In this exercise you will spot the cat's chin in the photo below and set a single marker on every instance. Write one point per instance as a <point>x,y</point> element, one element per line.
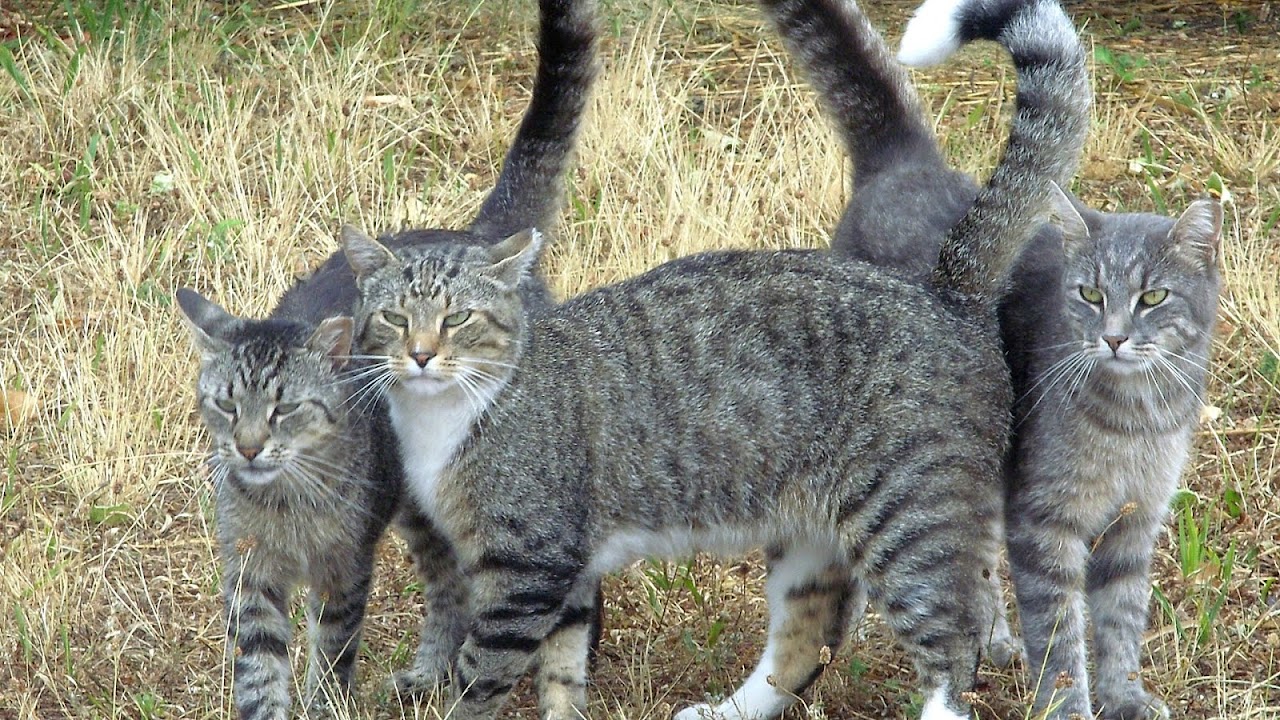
<point>423,385</point>
<point>252,476</point>
<point>1126,366</point>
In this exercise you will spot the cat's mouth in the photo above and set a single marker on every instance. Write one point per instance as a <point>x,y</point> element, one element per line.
<point>425,383</point>
<point>256,475</point>
<point>1125,362</point>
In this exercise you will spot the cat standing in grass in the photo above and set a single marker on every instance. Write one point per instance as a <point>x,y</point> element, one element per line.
<point>849,422</point>
<point>1106,330</point>
<point>306,471</point>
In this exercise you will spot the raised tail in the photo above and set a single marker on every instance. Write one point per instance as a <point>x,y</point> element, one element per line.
<point>530,187</point>
<point>1050,122</point>
<point>868,94</point>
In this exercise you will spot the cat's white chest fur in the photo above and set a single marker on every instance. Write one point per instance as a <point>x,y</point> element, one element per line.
<point>430,429</point>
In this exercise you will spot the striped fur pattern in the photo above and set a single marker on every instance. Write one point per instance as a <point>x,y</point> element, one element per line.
<point>850,422</point>
<point>318,523</point>
<point>1109,339</point>
<point>304,488</point>
<point>1102,433</point>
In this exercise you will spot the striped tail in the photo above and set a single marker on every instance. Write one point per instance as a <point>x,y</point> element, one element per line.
<point>1050,121</point>
<point>530,187</point>
<point>868,94</point>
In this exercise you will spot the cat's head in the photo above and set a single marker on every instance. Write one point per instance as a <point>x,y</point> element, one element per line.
<point>442,316</point>
<point>1141,291</point>
<point>271,393</point>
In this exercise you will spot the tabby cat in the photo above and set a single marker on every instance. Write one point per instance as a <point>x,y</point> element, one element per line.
<point>303,490</point>
<point>849,422</point>
<point>306,471</point>
<point>1107,333</point>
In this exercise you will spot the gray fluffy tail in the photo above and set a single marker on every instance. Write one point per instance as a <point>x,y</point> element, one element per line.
<point>866,91</point>
<point>1050,122</point>
<point>530,187</point>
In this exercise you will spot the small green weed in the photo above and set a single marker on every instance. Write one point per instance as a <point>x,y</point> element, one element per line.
<point>1123,66</point>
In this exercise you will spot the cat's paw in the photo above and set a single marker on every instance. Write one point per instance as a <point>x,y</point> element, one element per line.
<point>324,706</point>
<point>701,711</point>
<point>419,682</point>
<point>1003,651</point>
<point>1140,706</point>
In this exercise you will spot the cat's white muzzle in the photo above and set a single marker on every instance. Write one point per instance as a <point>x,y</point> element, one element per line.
<point>257,475</point>
<point>423,382</point>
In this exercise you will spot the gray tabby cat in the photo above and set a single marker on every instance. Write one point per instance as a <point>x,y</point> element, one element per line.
<point>1107,332</point>
<point>849,422</point>
<point>304,489</point>
<point>306,470</point>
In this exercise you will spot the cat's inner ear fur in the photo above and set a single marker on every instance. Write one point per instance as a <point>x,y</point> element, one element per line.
<point>333,338</point>
<point>1198,231</point>
<point>365,254</point>
<point>1064,215</point>
<point>514,258</point>
<point>206,320</point>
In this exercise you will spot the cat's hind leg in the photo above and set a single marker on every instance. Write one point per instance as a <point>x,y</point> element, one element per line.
<point>808,591</point>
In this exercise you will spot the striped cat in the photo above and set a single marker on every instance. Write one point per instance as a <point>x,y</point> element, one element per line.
<point>306,471</point>
<point>849,422</point>
<point>1106,330</point>
<point>304,488</point>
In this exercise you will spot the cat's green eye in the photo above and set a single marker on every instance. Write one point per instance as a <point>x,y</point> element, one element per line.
<point>1151,298</point>
<point>286,408</point>
<point>396,319</point>
<point>453,320</point>
<point>226,405</point>
<point>1091,294</point>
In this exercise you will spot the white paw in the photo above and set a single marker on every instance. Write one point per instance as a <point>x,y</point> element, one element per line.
<point>697,712</point>
<point>932,34</point>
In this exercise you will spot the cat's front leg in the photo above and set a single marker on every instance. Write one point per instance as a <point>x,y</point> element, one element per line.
<point>563,658</point>
<point>445,612</point>
<point>1047,563</point>
<point>335,614</point>
<point>517,602</point>
<point>258,631</point>
<point>1119,594</point>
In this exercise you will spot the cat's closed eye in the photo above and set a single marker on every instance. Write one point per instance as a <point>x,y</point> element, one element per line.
<point>226,405</point>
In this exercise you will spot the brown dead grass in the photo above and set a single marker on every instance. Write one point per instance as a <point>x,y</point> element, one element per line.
<point>229,144</point>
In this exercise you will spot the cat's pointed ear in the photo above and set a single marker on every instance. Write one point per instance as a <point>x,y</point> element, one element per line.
<point>365,254</point>
<point>515,257</point>
<point>1064,215</point>
<point>333,338</point>
<point>1198,232</point>
<point>206,320</point>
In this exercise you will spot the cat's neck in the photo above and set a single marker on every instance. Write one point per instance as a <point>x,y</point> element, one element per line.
<point>432,428</point>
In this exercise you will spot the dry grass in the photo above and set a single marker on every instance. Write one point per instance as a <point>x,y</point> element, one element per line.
<point>220,147</point>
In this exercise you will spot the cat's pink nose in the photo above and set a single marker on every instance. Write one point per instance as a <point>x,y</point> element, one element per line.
<point>422,358</point>
<point>1114,341</point>
<point>249,453</point>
